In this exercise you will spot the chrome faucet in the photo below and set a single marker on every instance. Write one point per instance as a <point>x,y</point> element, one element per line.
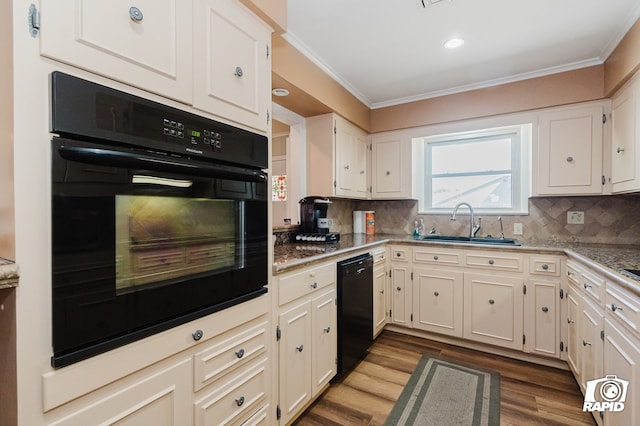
<point>473,228</point>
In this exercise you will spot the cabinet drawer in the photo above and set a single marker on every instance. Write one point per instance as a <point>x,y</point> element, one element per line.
<point>593,286</point>
<point>624,307</point>
<point>573,273</point>
<point>400,254</point>
<point>498,261</point>
<point>229,351</point>
<point>540,265</point>
<point>437,256</point>
<point>379,256</point>
<point>298,284</point>
<point>236,400</point>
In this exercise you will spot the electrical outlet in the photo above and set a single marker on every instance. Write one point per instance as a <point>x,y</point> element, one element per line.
<point>575,217</point>
<point>517,229</point>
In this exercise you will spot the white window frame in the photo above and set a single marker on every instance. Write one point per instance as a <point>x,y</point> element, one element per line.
<point>520,136</point>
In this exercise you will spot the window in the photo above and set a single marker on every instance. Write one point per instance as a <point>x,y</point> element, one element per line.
<point>488,169</point>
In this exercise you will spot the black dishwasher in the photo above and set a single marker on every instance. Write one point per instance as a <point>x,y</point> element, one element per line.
<point>355,310</point>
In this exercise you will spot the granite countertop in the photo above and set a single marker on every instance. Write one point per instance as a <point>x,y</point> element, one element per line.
<point>606,259</point>
<point>9,274</point>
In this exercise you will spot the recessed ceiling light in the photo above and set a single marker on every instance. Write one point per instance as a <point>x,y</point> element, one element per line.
<point>454,43</point>
<point>280,92</point>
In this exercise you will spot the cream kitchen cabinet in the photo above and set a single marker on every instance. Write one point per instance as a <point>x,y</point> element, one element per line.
<point>401,283</point>
<point>625,138</point>
<point>232,62</point>
<point>336,157</point>
<point>545,290</point>
<point>171,378</point>
<point>147,44</point>
<point>438,300</point>
<point>379,290</point>
<point>307,336</point>
<point>493,307</point>
<point>390,166</point>
<point>212,54</point>
<point>568,157</point>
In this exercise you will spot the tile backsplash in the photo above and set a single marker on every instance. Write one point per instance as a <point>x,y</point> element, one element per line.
<point>613,219</point>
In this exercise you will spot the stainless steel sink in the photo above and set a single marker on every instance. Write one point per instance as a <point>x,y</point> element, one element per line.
<point>466,240</point>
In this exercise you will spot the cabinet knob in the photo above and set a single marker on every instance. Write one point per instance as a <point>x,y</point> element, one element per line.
<point>587,286</point>
<point>240,353</point>
<point>614,307</point>
<point>398,254</point>
<point>361,172</point>
<point>398,288</point>
<point>381,291</point>
<point>197,335</point>
<point>135,14</point>
<point>620,150</point>
<point>569,159</point>
<point>300,348</point>
<point>346,167</point>
<point>492,302</point>
<point>436,294</point>
<point>239,72</point>
<point>435,257</point>
<point>570,321</point>
<point>388,173</point>
<point>240,401</point>
<point>327,330</point>
<point>545,309</point>
<point>314,285</point>
<point>545,266</point>
<point>491,262</point>
<point>585,343</point>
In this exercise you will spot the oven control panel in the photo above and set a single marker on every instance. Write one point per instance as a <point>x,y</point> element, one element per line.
<point>198,137</point>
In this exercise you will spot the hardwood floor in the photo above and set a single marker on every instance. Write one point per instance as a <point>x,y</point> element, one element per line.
<point>530,394</point>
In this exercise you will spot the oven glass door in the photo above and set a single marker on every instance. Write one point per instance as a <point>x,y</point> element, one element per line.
<point>142,242</point>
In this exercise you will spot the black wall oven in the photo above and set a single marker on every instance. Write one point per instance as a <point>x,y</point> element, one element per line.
<point>159,217</point>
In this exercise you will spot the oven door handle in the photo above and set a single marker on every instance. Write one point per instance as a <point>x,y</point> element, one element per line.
<point>147,161</point>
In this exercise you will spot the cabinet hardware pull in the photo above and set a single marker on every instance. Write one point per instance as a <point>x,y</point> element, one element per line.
<point>620,150</point>
<point>585,343</point>
<point>491,301</point>
<point>300,348</point>
<point>587,286</point>
<point>569,159</point>
<point>240,353</point>
<point>398,288</point>
<point>545,309</point>
<point>614,307</point>
<point>197,335</point>
<point>135,14</point>
<point>435,257</point>
<point>239,72</point>
<point>570,321</point>
<point>388,172</point>
<point>381,291</point>
<point>361,172</point>
<point>436,294</point>
<point>398,254</point>
<point>545,266</point>
<point>327,330</point>
<point>314,285</point>
<point>240,401</point>
<point>491,262</point>
<point>346,167</point>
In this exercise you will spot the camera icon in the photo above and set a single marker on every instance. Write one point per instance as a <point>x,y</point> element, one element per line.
<point>606,394</point>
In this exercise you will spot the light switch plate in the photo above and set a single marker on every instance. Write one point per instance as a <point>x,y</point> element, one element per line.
<point>575,217</point>
<point>517,229</point>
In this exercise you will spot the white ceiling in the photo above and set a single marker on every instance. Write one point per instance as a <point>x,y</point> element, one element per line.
<point>388,52</point>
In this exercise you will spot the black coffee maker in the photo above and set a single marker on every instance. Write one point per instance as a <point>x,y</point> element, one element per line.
<point>314,225</point>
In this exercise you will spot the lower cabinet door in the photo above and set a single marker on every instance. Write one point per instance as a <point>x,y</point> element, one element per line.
<point>437,301</point>
<point>379,298</point>
<point>621,359</point>
<point>295,360</point>
<point>494,310</point>
<point>543,307</point>
<point>158,398</point>
<point>325,340</point>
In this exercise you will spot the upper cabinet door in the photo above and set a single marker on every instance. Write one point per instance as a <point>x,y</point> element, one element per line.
<point>390,166</point>
<point>146,43</point>
<point>568,159</point>
<point>625,139</point>
<point>232,62</point>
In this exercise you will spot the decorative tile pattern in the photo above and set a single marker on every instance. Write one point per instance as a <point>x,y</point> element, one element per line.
<point>613,219</point>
